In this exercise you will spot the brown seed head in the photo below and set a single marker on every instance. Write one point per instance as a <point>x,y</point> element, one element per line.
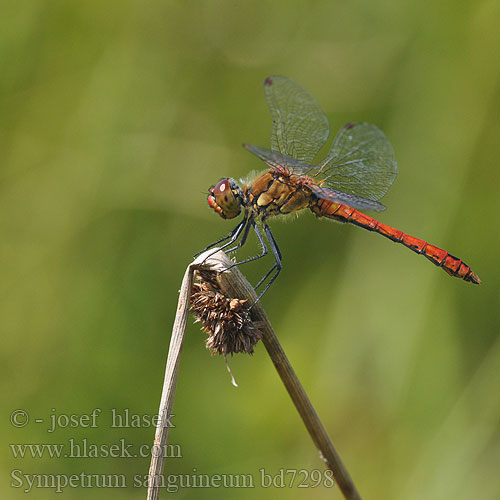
<point>225,319</point>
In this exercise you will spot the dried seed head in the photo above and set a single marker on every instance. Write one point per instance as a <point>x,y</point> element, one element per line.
<point>225,319</point>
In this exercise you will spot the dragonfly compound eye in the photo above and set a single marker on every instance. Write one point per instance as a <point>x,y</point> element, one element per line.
<point>223,200</point>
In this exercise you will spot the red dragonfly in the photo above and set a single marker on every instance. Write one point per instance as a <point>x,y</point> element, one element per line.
<point>358,171</point>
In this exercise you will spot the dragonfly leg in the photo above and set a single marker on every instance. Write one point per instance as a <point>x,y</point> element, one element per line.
<point>276,267</point>
<point>275,246</point>
<point>264,278</point>
<point>232,237</point>
<point>263,246</point>
<point>242,241</point>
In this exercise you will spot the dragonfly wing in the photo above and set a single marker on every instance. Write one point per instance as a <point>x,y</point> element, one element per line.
<point>300,128</point>
<point>274,159</point>
<point>352,200</point>
<point>361,162</point>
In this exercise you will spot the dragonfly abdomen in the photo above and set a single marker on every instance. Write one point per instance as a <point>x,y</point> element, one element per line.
<point>343,213</point>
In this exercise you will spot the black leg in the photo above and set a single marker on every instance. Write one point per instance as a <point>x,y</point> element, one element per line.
<point>264,278</point>
<point>262,245</point>
<point>273,245</point>
<point>232,240</point>
<point>234,234</point>
<point>277,266</point>
<point>242,241</point>
<point>272,241</point>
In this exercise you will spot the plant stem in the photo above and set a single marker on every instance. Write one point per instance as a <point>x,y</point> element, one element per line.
<point>233,284</point>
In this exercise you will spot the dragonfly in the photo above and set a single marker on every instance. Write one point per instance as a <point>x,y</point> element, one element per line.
<point>357,172</point>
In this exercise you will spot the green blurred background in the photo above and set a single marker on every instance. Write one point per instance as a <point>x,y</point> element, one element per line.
<point>115,119</point>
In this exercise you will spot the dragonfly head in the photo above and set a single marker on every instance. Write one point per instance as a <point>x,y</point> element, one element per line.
<point>226,198</point>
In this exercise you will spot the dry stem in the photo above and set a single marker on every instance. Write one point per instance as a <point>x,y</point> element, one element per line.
<point>233,284</point>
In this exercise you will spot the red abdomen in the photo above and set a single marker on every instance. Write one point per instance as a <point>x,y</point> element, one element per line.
<point>343,213</point>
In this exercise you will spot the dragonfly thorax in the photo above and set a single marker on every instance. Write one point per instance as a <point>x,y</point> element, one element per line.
<point>226,198</point>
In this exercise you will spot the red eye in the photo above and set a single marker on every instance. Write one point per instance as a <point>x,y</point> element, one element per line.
<point>222,187</point>
<point>223,200</point>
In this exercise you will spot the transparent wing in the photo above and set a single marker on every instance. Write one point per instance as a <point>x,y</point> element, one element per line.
<point>361,162</point>
<point>347,199</point>
<point>274,160</point>
<point>300,128</point>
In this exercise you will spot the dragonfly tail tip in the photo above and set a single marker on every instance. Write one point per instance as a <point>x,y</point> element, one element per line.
<point>474,278</point>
